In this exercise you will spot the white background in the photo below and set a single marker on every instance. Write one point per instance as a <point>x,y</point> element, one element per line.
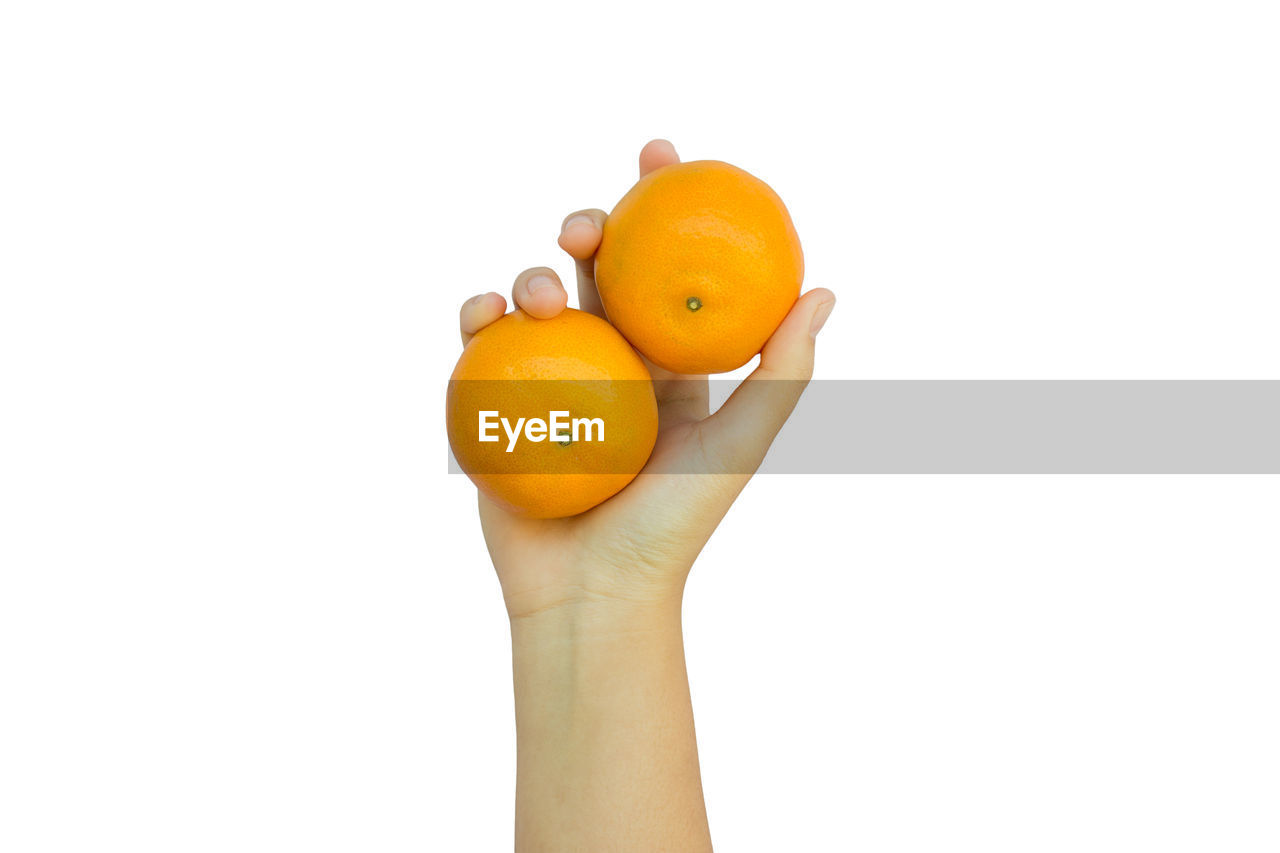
<point>242,605</point>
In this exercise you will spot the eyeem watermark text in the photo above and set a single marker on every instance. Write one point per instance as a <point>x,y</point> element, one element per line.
<point>558,427</point>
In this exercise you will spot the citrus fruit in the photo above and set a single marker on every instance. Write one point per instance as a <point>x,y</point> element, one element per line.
<point>576,376</point>
<point>698,265</point>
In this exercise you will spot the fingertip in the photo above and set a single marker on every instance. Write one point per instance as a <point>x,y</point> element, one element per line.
<point>789,351</point>
<point>655,154</point>
<point>539,293</point>
<point>821,294</point>
<point>823,301</point>
<point>659,146</point>
<point>580,233</point>
<point>580,240</point>
<point>484,303</point>
<point>479,311</point>
<point>545,302</point>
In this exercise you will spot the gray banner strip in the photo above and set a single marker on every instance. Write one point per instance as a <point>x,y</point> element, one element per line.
<point>1027,427</point>
<point>1032,427</point>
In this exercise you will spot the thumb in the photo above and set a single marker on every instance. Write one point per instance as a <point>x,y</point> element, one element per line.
<point>738,436</point>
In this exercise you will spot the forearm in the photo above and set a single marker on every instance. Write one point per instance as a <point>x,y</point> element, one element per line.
<point>606,754</point>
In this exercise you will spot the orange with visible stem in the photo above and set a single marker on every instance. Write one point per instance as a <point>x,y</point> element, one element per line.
<point>698,265</point>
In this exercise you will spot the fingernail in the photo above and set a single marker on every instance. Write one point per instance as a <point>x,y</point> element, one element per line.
<point>538,282</point>
<point>476,299</point>
<point>580,219</point>
<point>820,317</point>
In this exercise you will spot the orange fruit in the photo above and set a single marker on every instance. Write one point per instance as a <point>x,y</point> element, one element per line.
<point>520,369</point>
<point>698,265</point>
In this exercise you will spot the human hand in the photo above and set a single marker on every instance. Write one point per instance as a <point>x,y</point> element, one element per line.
<point>638,546</point>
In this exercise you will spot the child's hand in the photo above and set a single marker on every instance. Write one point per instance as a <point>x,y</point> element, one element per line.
<point>606,753</point>
<point>638,546</point>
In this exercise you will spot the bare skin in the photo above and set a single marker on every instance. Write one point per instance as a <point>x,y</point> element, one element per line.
<point>606,754</point>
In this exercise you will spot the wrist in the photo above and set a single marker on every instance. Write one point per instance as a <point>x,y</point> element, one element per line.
<point>593,597</point>
<point>571,661</point>
<point>591,619</point>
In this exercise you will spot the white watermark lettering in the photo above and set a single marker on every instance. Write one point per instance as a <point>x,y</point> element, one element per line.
<point>587,424</point>
<point>558,427</point>
<point>486,424</point>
